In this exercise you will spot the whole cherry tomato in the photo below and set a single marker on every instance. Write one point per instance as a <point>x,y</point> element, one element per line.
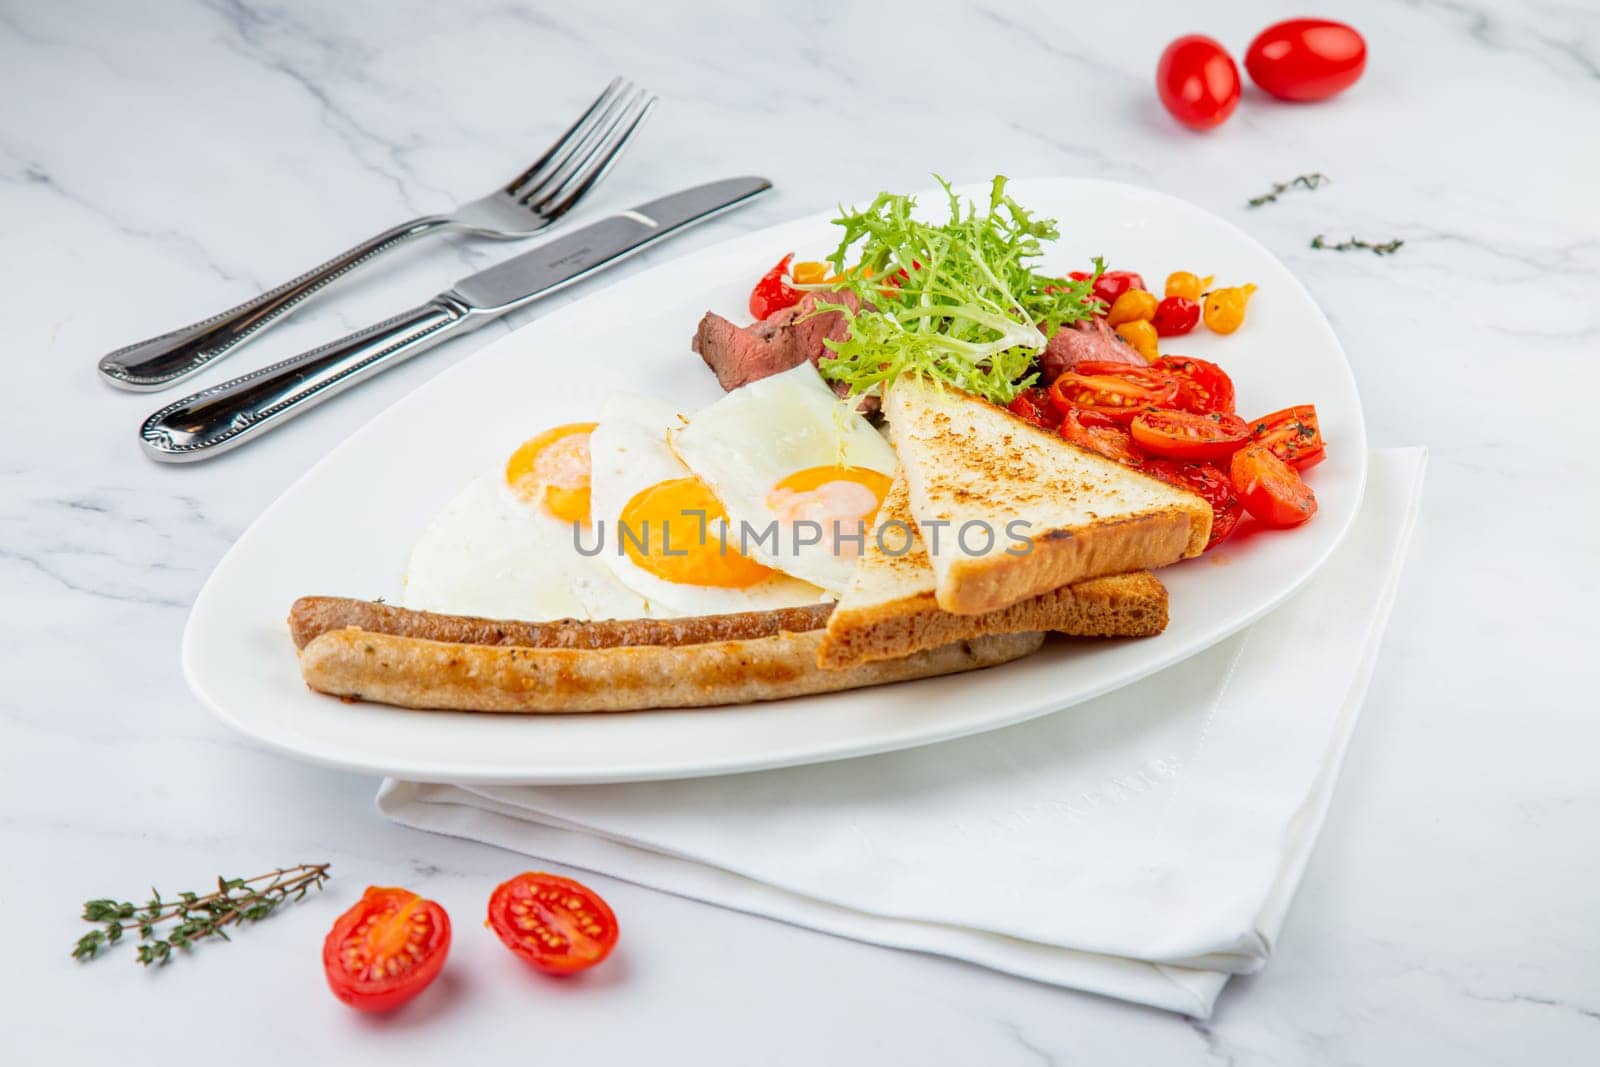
<point>1175,316</point>
<point>1113,283</point>
<point>1306,59</point>
<point>1198,81</point>
<point>773,292</point>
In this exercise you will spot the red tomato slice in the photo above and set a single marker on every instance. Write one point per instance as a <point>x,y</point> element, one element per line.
<point>1185,435</point>
<point>1203,387</point>
<point>773,292</point>
<point>1119,391</point>
<point>1293,435</point>
<point>558,925</point>
<point>1270,489</point>
<point>386,949</point>
<point>1206,481</point>
<point>1033,405</point>
<point>1097,435</point>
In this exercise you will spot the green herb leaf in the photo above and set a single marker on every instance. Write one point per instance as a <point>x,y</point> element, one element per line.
<point>960,302</point>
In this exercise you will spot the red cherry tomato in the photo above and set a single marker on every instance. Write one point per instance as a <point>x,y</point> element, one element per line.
<point>1292,435</point>
<point>1270,489</point>
<point>773,292</point>
<point>1175,316</point>
<point>1112,284</point>
<point>1184,435</point>
<point>1198,81</point>
<point>1099,435</point>
<point>1209,482</point>
<point>1306,59</point>
<point>1203,387</point>
<point>558,925</point>
<point>1118,391</point>
<point>386,949</point>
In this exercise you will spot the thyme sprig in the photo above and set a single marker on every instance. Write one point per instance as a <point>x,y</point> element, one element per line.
<point>164,925</point>
<point>1303,181</point>
<point>1382,248</point>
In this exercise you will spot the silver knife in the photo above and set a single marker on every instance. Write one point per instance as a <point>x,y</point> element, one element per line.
<point>228,415</point>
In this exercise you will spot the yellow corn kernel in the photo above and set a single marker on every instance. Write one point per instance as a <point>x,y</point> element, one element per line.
<point>1224,309</point>
<point>1141,334</point>
<point>810,272</point>
<point>1131,305</point>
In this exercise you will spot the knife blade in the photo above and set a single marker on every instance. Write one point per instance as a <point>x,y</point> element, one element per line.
<point>225,416</point>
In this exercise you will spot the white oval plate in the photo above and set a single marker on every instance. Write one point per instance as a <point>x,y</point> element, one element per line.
<point>346,528</point>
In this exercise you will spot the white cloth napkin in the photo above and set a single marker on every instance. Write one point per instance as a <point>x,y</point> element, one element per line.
<point>1144,845</point>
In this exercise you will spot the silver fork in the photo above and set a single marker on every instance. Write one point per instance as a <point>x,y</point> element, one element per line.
<point>528,203</point>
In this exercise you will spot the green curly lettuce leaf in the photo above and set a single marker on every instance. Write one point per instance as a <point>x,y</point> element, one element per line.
<point>959,302</point>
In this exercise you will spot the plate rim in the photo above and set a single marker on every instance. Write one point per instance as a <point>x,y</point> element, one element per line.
<point>848,748</point>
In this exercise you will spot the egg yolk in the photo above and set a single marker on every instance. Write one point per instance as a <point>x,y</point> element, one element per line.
<point>826,494</point>
<point>671,530</point>
<point>552,470</point>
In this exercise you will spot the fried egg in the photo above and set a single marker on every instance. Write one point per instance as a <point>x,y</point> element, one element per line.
<point>663,530</point>
<point>801,472</point>
<point>507,546</point>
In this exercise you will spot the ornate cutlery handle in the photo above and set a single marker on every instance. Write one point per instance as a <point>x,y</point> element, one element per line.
<point>227,415</point>
<point>160,361</point>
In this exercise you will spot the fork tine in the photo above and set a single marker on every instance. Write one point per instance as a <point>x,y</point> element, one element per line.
<point>541,167</point>
<point>575,153</point>
<point>600,162</point>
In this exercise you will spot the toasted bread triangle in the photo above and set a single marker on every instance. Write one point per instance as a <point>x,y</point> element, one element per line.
<point>1010,511</point>
<point>890,609</point>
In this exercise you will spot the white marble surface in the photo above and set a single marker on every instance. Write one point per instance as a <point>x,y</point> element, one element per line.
<point>160,161</point>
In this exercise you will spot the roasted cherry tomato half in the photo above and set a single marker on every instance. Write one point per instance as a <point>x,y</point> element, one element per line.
<point>1270,489</point>
<point>1033,405</point>
<point>1292,435</point>
<point>1198,81</point>
<point>1112,284</point>
<point>1306,59</point>
<point>1203,387</point>
<point>1185,435</point>
<point>558,925</point>
<point>1207,481</point>
<point>1175,316</point>
<point>1118,391</point>
<point>1097,434</point>
<point>386,949</point>
<point>773,292</point>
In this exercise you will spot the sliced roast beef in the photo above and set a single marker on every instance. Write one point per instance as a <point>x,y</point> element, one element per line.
<point>1085,341</point>
<point>739,355</point>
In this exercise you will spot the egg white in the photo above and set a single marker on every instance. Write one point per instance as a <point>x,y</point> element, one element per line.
<point>492,554</point>
<point>759,434</point>
<point>628,453</point>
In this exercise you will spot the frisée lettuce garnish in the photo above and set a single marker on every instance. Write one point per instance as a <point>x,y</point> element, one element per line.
<point>960,302</point>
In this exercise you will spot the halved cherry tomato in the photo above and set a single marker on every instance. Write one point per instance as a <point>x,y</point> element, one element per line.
<point>1033,405</point>
<point>386,949</point>
<point>1203,387</point>
<point>1175,316</point>
<point>1185,435</point>
<point>1270,489</point>
<point>1293,435</point>
<point>1198,82</point>
<point>1116,390</point>
<point>773,292</point>
<point>1209,482</point>
<point>1097,434</point>
<point>558,925</point>
<point>1112,284</point>
<point>1306,59</point>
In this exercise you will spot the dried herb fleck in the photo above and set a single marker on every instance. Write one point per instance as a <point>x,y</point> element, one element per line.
<point>1303,181</point>
<point>1381,248</point>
